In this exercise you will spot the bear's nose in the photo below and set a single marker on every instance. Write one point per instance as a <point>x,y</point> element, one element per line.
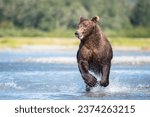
<point>76,33</point>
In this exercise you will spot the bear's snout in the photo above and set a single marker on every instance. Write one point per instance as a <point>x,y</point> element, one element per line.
<point>76,33</point>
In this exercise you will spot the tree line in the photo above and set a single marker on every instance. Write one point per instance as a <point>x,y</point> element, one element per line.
<point>48,15</point>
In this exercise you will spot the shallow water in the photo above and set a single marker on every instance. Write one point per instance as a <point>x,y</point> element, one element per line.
<point>53,74</point>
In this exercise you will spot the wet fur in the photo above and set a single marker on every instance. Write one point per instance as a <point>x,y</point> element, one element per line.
<point>94,54</point>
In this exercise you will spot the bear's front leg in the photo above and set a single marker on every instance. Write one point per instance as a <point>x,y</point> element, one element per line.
<point>88,78</point>
<point>105,75</point>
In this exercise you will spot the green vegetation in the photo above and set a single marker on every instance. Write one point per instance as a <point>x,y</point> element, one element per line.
<point>6,42</point>
<point>57,18</point>
<point>45,22</point>
<point>141,14</point>
<point>31,32</point>
<point>138,32</point>
<point>142,43</point>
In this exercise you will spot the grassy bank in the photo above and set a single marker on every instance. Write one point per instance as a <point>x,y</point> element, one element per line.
<point>142,43</point>
<point>68,33</point>
<point>14,42</point>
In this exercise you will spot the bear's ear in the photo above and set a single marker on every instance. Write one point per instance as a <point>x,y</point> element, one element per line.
<point>95,19</point>
<point>81,19</point>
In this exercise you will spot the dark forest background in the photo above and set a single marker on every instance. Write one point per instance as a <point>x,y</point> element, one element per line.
<point>44,17</point>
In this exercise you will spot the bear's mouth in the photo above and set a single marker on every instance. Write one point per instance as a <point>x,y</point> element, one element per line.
<point>81,37</point>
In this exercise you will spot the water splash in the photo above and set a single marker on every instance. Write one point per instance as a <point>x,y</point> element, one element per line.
<point>9,85</point>
<point>141,86</point>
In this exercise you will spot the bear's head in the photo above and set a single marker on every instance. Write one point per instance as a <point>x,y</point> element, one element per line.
<point>85,27</point>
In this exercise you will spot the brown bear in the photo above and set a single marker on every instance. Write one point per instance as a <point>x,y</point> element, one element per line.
<point>94,54</point>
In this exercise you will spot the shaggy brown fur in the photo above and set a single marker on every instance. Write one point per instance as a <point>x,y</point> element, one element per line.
<point>95,52</point>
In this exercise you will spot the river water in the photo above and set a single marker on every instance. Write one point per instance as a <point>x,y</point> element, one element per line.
<point>52,73</point>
